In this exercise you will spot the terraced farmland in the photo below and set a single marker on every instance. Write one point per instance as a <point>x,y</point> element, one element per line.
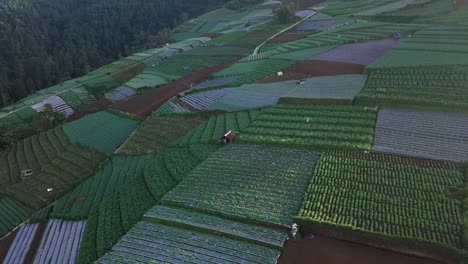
<point>437,88</point>
<point>121,192</point>
<point>212,130</point>
<point>103,131</point>
<point>60,242</point>
<point>433,135</point>
<point>219,185</point>
<point>148,242</point>
<point>313,126</point>
<point>394,198</point>
<point>48,155</point>
<point>12,213</point>
<point>156,133</point>
<point>21,244</point>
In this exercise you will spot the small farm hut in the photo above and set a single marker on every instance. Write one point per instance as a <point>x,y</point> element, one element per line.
<point>228,137</point>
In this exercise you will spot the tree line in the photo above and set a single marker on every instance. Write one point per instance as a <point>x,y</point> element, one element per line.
<point>45,42</point>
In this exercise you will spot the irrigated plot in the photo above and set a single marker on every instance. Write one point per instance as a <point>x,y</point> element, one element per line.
<point>432,88</point>
<point>366,196</point>
<point>432,135</point>
<point>103,131</point>
<point>22,244</point>
<point>216,225</point>
<point>60,242</point>
<point>336,89</point>
<point>150,242</point>
<point>358,53</point>
<point>316,127</point>
<point>12,213</point>
<point>252,183</point>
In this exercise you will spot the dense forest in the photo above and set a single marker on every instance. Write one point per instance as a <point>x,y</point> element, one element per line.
<point>44,42</point>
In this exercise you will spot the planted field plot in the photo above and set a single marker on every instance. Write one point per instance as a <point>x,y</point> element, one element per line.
<point>428,10</point>
<point>457,17</point>
<point>302,54</point>
<point>391,7</point>
<point>184,64</point>
<point>216,225</point>
<point>119,94</point>
<point>349,32</point>
<point>433,135</point>
<point>150,242</point>
<point>437,88</point>
<point>202,100</point>
<point>314,25</point>
<point>174,106</point>
<point>103,131</point>
<point>58,105</point>
<point>12,213</point>
<point>432,46</point>
<point>255,70</point>
<point>21,245</point>
<point>145,104</point>
<point>41,162</point>
<point>315,127</point>
<point>315,68</point>
<point>60,242</point>
<point>363,53</point>
<point>218,185</point>
<point>122,191</point>
<point>5,244</point>
<point>288,37</point>
<point>156,133</point>
<point>212,130</point>
<point>392,197</point>
<point>221,81</point>
<point>149,78</point>
<point>337,89</point>
<point>252,96</point>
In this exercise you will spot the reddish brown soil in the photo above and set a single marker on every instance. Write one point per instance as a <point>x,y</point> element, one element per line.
<point>89,109</point>
<point>5,244</point>
<point>460,3</point>
<point>212,35</point>
<point>287,37</point>
<point>315,68</point>
<point>143,105</point>
<point>321,250</point>
<point>35,243</point>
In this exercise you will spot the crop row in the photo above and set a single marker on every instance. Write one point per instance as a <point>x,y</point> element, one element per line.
<point>21,244</point>
<point>216,225</point>
<point>60,242</point>
<point>12,213</point>
<point>374,193</point>
<point>216,126</point>
<point>319,127</point>
<point>243,182</point>
<point>118,195</point>
<point>103,131</point>
<point>149,242</point>
<point>54,162</point>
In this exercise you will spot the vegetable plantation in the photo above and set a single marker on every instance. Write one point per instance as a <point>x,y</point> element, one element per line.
<point>248,183</point>
<point>60,242</point>
<point>21,244</point>
<point>155,134</point>
<point>151,242</point>
<point>438,88</point>
<point>434,135</point>
<point>12,213</point>
<point>389,196</point>
<point>315,127</point>
<point>103,131</point>
<point>217,225</point>
<point>217,125</point>
<point>53,163</point>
